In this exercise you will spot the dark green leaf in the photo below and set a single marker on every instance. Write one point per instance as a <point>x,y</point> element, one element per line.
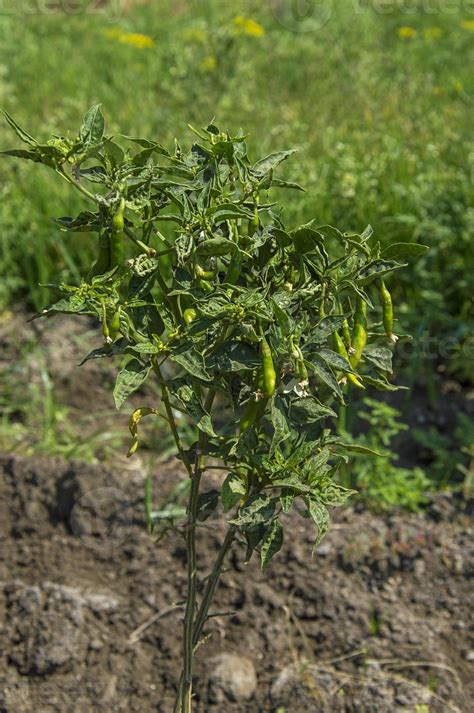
<point>270,162</point>
<point>233,490</point>
<point>271,543</point>
<point>257,510</point>
<point>207,503</point>
<point>93,126</point>
<point>397,251</point>
<point>129,379</point>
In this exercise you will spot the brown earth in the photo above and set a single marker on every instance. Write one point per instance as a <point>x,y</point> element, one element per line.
<point>380,620</point>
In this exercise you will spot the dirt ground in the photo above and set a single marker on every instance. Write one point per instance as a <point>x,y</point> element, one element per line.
<point>379,620</point>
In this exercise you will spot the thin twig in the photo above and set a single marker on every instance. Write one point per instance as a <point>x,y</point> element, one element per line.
<point>136,635</point>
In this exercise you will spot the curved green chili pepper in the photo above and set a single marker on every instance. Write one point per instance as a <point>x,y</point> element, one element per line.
<point>234,270</point>
<point>340,348</point>
<point>102,264</point>
<point>387,311</point>
<point>253,413</point>
<point>117,247</point>
<point>268,369</point>
<point>105,326</point>
<point>359,339</point>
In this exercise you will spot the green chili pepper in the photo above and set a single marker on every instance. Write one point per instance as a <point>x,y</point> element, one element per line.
<point>253,414</point>
<point>205,286</point>
<point>359,339</point>
<point>202,274</point>
<point>117,248</point>
<point>256,406</point>
<point>114,326</point>
<point>102,264</point>
<point>340,348</point>
<point>234,270</point>
<point>189,315</point>
<point>387,310</point>
<point>346,336</point>
<point>268,369</point>
<point>105,326</point>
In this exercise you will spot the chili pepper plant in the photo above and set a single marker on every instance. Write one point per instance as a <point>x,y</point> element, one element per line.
<point>256,331</point>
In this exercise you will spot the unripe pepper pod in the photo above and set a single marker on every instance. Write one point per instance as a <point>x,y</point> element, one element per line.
<point>102,264</point>
<point>387,311</point>
<point>340,348</point>
<point>202,274</point>
<point>268,369</point>
<point>189,315</point>
<point>359,338</point>
<point>105,326</point>
<point>117,248</point>
<point>114,326</point>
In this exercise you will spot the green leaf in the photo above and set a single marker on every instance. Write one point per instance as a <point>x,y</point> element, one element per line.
<point>192,404</point>
<point>320,516</point>
<point>323,372</point>
<point>335,360</point>
<point>278,411</point>
<point>270,162</point>
<point>93,126</point>
<point>309,410</point>
<point>216,247</point>
<point>21,133</point>
<point>287,184</point>
<point>271,543</point>
<point>230,211</point>
<point>381,383</point>
<point>287,498</point>
<point>376,269</point>
<point>397,251</point>
<point>257,510</point>
<point>192,362</point>
<point>379,356</point>
<point>207,504</point>
<point>357,448</point>
<point>326,327</point>
<point>233,490</point>
<point>233,356</point>
<point>129,379</point>
<point>22,153</point>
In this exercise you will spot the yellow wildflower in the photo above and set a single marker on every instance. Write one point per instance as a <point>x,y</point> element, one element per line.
<point>247,26</point>
<point>433,33</point>
<point>407,33</point>
<point>208,64</point>
<point>467,25</point>
<point>136,39</point>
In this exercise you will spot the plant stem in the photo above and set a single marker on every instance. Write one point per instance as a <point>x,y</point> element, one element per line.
<point>212,583</point>
<point>170,417</point>
<point>208,595</point>
<point>186,683</point>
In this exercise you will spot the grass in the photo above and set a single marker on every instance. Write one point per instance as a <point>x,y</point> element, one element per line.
<point>380,101</point>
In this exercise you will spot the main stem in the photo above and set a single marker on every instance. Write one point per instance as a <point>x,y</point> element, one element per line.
<point>202,614</point>
<point>186,683</point>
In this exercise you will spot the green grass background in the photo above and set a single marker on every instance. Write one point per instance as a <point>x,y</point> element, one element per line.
<point>378,100</point>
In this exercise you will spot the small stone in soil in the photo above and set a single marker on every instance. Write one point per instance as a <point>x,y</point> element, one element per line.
<point>231,678</point>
